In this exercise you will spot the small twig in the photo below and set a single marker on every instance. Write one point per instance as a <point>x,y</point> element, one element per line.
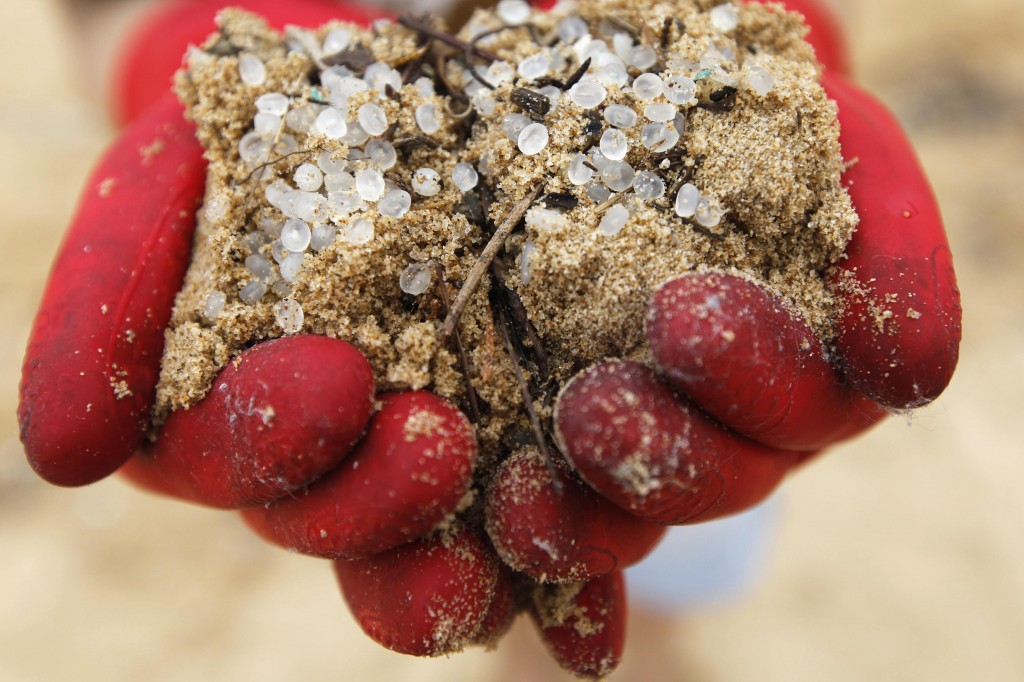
<point>524,391</point>
<point>474,406</point>
<point>446,38</point>
<point>496,244</point>
<point>577,74</point>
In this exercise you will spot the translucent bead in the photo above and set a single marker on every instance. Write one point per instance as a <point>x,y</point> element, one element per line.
<point>613,74</point>
<point>513,124</point>
<point>648,186</point>
<point>295,236</point>
<point>464,176</point>
<point>358,232</point>
<point>759,80</point>
<point>252,292</point>
<point>725,18</point>
<point>500,72</point>
<point>641,57</point>
<point>370,184</point>
<point>426,118</point>
<point>620,116</point>
<point>301,118</point>
<point>379,75</point>
<point>426,181</point>
<point>282,288</point>
<point>328,164</point>
<point>535,66</point>
<point>613,220</point>
<point>687,200</point>
<point>306,206</point>
<point>587,94</point>
<point>266,123</point>
<point>706,214</point>
<point>381,154</point>
<point>416,278</point>
<point>598,193</point>
<point>337,40</point>
<point>213,305</point>
<point>272,103</point>
<point>659,137</point>
<point>253,241</point>
<point>424,86</point>
<point>395,203</point>
<point>339,182</point>
<point>373,119</point>
<point>251,69</point>
<point>618,176</point>
<point>572,28</point>
<point>331,123</point>
<point>308,177</point>
<point>524,262</point>
<point>647,86</point>
<point>278,251</point>
<point>322,236</point>
<point>622,43</point>
<point>553,94</point>
<point>254,148</point>
<point>662,112</point>
<point>579,172</point>
<point>291,265</point>
<point>259,266</point>
<point>680,89</point>
<point>271,227</point>
<point>289,316</point>
<point>485,104</point>
<point>513,12</point>
<point>356,136</point>
<point>533,139</point>
<point>614,144</point>
<point>275,191</point>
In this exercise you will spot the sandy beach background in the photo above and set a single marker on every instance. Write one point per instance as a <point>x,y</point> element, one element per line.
<point>899,557</point>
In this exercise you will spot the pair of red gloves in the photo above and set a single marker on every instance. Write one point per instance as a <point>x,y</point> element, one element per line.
<point>743,392</point>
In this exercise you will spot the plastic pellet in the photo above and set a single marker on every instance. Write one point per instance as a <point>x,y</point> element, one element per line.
<point>289,316</point>
<point>533,139</point>
<point>416,278</point>
<point>613,220</point>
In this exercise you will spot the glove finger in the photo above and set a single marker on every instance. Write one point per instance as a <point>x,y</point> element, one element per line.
<point>94,353</point>
<point>277,417</point>
<point>560,535</point>
<point>743,358</point>
<point>825,36</point>
<point>151,55</point>
<point>583,625</point>
<point>411,470</point>
<point>426,598</point>
<point>644,448</point>
<point>898,335</point>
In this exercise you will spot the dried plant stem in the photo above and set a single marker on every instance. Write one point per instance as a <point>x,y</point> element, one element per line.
<point>446,38</point>
<point>495,245</point>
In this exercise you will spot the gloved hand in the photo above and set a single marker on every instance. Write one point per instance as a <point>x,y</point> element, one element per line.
<point>735,351</point>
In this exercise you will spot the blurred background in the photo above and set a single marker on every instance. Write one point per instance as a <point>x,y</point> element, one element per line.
<point>898,557</point>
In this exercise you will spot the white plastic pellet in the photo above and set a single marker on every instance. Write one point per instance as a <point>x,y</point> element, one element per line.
<point>356,135</point>
<point>598,193</point>
<point>282,288</point>
<point>661,112</point>
<point>618,176</point>
<point>424,86</point>
<point>254,147</point>
<point>259,266</point>
<point>253,241</point>
<point>373,119</point>
<point>426,118</point>
<point>687,200</point>
<point>288,314</point>
<point>279,252</point>
<point>613,220</point>
<point>370,184</point>
<point>513,12</point>
<point>271,227</point>
<point>295,236</point>
<point>587,94</point>
<point>358,232</point>
<point>379,75</point>
<point>614,144</point>
<point>706,214</point>
<point>759,80</point>
<point>647,86</point>
<point>291,265</point>
<point>213,306</point>
<point>533,139</point>
<point>381,154</point>
<point>464,176</point>
<point>337,40</point>
<point>306,206</point>
<point>572,29</point>
<point>415,279</point>
<point>272,103</point>
<point>648,186</point>
<point>579,172</point>
<point>328,164</point>
<point>275,191</point>
<point>339,182</point>
<point>525,255</point>
<point>266,123</point>
<point>641,57</point>
<point>252,292</point>
<point>301,118</point>
<point>513,124</point>
<point>395,203</point>
<point>331,123</point>
<point>535,66</point>
<point>426,181</point>
<point>251,69</point>
<point>308,177</point>
<point>343,203</point>
<point>620,116</point>
<point>680,89</point>
<point>322,236</point>
<point>725,18</point>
